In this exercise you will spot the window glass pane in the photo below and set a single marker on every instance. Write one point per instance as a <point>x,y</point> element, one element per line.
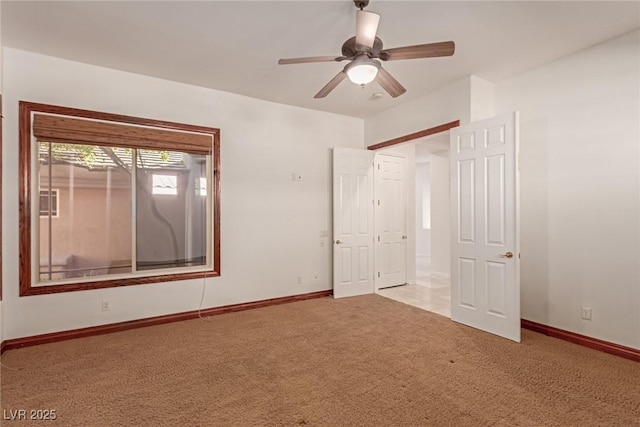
<point>49,202</point>
<point>201,186</point>
<point>164,184</point>
<point>91,233</point>
<point>171,231</point>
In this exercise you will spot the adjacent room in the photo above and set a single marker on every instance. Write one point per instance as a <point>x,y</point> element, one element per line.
<point>320,213</point>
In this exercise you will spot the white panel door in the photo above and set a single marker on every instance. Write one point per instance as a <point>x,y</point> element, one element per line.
<point>352,222</point>
<point>485,266</point>
<point>391,221</point>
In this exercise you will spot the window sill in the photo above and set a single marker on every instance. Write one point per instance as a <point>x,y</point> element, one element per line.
<point>112,283</point>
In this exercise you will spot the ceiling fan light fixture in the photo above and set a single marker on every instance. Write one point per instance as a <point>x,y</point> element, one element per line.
<point>362,72</point>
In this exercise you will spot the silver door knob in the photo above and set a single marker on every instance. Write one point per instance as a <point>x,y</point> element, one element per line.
<point>507,255</point>
<point>338,242</point>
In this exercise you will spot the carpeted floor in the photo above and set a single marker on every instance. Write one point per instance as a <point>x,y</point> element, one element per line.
<point>362,361</point>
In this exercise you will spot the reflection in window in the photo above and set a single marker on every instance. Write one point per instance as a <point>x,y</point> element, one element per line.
<point>164,184</point>
<point>49,203</point>
<point>201,186</point>
<point>94,184</point>
<point>171,231</point>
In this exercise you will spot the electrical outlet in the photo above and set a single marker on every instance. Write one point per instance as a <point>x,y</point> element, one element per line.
<point>105,306</point>
<point>586,313</point>
<point>299,279</point>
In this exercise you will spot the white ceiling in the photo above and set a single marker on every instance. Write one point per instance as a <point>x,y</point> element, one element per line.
<point>234,46</point>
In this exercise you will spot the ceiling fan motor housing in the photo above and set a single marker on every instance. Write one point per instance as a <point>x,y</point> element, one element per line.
<point>361,4</point>
<point>350,49</point>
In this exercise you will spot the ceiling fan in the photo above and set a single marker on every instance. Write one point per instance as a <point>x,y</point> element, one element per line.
<point>363,52</point>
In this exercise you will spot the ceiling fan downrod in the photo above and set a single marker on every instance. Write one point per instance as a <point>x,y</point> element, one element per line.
<point>361,4</point>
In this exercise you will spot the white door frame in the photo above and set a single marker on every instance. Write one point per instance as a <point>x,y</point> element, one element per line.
<point>445,127</point>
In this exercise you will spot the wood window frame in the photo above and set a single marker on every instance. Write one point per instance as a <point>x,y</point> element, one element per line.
<point>26,111</point>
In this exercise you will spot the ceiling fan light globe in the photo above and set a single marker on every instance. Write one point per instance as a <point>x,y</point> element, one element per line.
<point>361,74</point>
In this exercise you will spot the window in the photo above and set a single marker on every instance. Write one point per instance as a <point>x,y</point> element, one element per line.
<point>165,184</point>
<point>134,196</point>
<point>49,203</point>
<point>201,186</point>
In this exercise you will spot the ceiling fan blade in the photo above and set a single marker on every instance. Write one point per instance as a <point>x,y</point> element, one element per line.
<point>430,50</point>
<point>331,85</point>
<point>389,83</point>
<point>366,28</point>
<point>309,59</point>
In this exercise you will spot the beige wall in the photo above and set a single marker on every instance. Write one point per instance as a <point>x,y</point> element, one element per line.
<point>93,223</point>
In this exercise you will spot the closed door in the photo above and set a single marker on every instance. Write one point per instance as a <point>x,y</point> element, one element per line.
<point>390,220</point>
<point>485,278</point>
<point>352,222</point>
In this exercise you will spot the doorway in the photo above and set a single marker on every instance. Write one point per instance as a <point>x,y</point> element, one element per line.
<point>431,289</point>
<point>483,192</point>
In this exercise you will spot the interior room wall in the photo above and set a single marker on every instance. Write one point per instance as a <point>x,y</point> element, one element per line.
<point>423,209</point>
<point>440,215</point>
<point>273,228</point>
<point>580,189</point>
<point>441,106</point>
<point>480,99</point>
<point>580,186</point>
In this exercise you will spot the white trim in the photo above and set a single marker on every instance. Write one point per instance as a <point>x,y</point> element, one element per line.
<point>134,208</point>
<point>210,211</point>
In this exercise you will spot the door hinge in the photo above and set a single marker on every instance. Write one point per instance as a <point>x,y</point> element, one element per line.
<point>378,166</point>
<point>378,202</point>
<point>378,274</point>
<point>378,238</point>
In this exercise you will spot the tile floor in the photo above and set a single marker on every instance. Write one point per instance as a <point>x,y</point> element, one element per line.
<point>431,293</point>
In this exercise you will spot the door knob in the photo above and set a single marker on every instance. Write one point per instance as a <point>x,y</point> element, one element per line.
<point>404,237</point>
<point>508,255</point>
<point>338,242</point>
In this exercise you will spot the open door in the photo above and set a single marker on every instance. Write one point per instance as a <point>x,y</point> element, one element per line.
<point>352,222</point>
<point>485,248</point>
<point>390,191</point>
